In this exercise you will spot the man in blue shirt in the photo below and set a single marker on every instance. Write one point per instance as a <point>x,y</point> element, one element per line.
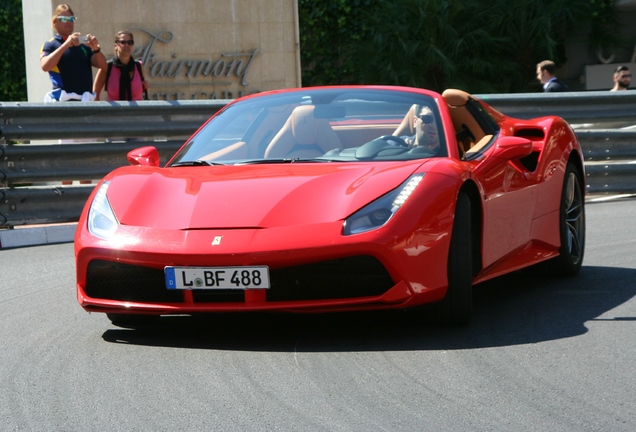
<point>69,59</point>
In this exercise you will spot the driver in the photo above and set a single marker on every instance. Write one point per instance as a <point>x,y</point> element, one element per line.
<point>425,129</point>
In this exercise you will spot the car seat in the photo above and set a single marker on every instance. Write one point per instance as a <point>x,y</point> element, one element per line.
<point>303,135</point>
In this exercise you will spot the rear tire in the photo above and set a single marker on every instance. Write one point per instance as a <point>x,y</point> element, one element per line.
<point>457,306</point>
<point>571,226</point>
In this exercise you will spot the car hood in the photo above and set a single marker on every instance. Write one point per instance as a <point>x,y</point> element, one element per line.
<point>249,196</point>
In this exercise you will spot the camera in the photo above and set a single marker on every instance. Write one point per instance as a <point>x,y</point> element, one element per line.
<point>82,39</point>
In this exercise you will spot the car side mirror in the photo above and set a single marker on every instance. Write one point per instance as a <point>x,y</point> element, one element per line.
<point>144,156</point>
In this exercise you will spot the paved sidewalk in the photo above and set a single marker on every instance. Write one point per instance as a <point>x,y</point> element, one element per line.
<point>37,235</point>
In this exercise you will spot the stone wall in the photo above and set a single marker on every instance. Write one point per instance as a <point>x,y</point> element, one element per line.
<point>192,49</point>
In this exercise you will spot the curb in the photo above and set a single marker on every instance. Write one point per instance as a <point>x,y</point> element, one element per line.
<point>35,236</point>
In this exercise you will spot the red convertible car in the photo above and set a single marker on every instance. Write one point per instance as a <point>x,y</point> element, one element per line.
<point>334,199</point>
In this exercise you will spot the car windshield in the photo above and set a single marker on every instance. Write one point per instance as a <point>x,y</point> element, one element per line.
<point>320,125</point>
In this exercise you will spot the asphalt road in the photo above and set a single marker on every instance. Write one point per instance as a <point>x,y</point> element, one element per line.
<point>542,354</point>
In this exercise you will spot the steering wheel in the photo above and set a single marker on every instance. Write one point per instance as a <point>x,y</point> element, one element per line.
<point>394,140</point>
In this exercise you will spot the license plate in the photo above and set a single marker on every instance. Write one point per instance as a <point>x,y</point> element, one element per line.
<point>191,278</point>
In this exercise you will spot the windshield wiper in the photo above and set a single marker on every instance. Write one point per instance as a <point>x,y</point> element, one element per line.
<point>198,162</point>
<point>279,160</point>
<point>266,161</point>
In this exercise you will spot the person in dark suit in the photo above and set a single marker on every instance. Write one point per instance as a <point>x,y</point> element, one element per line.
<point>546,74</point>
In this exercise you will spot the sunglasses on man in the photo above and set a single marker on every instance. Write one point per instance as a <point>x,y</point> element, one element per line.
<point>66,19</point>
<point>126,42</point>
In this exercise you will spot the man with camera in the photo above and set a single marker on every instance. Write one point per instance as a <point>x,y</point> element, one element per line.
<point>69,58</point>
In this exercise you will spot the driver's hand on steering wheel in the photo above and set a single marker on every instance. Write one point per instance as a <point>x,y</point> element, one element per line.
<point>396,141</point>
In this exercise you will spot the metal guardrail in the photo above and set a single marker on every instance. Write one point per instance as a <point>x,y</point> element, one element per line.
<point>27,171</point>
<point>597,109</point>
<point>44,121</point>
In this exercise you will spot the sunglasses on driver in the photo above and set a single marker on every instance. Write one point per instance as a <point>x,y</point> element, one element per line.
<point>426,118</point>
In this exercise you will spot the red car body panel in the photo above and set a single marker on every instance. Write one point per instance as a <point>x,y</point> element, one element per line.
<point>292,214</point>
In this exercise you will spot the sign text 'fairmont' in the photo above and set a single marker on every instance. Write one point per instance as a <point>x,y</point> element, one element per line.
<point>228,69</point>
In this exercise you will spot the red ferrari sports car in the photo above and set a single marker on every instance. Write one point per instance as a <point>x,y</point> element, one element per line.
<point>334,199</point>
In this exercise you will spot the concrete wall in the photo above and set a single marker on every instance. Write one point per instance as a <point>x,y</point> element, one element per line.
<point>601,76</point>
<point>192,49</point>
<point>36,15</point>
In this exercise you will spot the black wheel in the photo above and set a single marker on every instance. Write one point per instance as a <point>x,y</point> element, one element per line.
<point>571,226</point>
<point>457,306</point>
<point>132,320</point>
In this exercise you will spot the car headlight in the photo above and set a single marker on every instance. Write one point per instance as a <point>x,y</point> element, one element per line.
<point>101,218</point>
<point>377,213</point>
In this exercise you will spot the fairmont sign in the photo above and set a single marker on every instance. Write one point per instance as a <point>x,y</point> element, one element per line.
<point>222,77</point>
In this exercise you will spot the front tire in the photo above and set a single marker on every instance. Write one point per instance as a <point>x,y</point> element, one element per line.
<point>457,306</point>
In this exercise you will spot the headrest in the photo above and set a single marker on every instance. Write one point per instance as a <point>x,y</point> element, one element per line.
<point>303,125</point>
<point>456,98</point>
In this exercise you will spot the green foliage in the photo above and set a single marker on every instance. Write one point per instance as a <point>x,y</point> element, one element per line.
<point>536,31</point>
<point>479,46</point>
<point>605,32</point>
<point>432,44</point>
<point>482,46</point>
<point>12,59</point>
<point>329,31</point>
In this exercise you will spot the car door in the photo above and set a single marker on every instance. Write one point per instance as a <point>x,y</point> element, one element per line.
<point>510,194</point>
